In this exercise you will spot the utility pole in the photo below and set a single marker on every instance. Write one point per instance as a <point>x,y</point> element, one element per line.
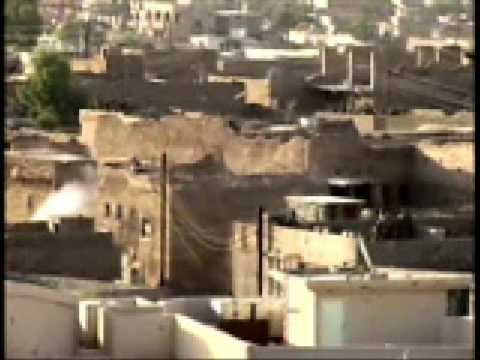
<point>163,217</point>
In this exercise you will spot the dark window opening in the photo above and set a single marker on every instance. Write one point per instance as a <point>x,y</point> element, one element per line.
<point>458,302</point>
<point>271,284</point>
<point>243,238</point>
<point>386,196</point>
<point>146,228</point>
<point>363,192</point>
<point>133,213</point>
<point>404,195</point>
<point>167,17</point>
<point>158,15</point>
<point>107,210</point>
<point>30,203</point>
<point>177,18</point>
<point>119,213</point>
<point>350,212</point>
<point>339,191</point>
<point>330,213</point>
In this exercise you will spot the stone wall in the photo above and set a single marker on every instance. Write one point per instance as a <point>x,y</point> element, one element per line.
<point>160,97</point>
<point>91,256</point>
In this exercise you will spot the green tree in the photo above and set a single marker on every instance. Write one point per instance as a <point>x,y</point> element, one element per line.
<point>51,95</point>
<point>23,22</point>
<point>71,31</point>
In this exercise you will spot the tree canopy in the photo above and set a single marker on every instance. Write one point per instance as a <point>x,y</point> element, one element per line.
<point>23,22</point>
<point>51,95</point>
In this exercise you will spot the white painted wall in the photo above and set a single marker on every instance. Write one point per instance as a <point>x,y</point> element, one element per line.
<point>207,41</point>
<point>260,53</point>
<point>364,352</point>
<point>300,321</point>
<point>39,322</point>
<point>194,340</point>
<point>458,330</point>
<point>382,316</point>
<point>138,333</point>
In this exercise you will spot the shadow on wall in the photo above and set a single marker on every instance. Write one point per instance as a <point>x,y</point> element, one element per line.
<point>89,256</point>
<point>435,185</point>
<point>200,235</point>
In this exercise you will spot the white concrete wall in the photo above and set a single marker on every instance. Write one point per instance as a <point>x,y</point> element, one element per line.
<point>315,248</point>
<point>406,352</point>
<point>199,308</point>
<point>300,321</point>
<point>382,316</point>
<point>138,333</point>
<point>458,330</point>
<point>194,340</point>
<point>259,53</point>
<point>39,322</point>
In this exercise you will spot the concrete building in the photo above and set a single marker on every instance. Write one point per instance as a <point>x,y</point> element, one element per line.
<point>166,20</point>
<point>217,327</point>
<point>62,249</point>
<point>33,176</point>
<point>114,14</point>
<point>438,46</point>
<point>327,232</point>
<point>394,307</point>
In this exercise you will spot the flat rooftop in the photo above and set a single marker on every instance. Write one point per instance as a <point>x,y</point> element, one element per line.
<point>321,200</point>
<point>47,155</point>
<point>345,181</point>
<point>390,278</point>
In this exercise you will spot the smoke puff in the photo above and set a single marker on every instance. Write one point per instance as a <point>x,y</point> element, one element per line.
<point>72,199</point>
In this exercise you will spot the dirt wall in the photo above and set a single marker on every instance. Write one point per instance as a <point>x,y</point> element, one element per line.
<point>91,256</point>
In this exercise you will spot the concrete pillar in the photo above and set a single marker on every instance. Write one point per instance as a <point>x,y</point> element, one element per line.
<point>437,54</point>
<point>372,70</point>
<point>266,244</point>
<point>463,58</point>
<point>324,50</point>
<point>419,56</point>
<point>350,68</point>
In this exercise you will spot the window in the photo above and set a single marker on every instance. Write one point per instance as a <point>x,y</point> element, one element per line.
<point>458,301</point>
<point>167,17</point>
<point>146,228</point>
<point>279,289</point>
<point>107,210</point>
<point>30,202</point>
<point>271,285</point>
<point>133,213</point>
<point>148,15</point>
<point>177,18</point>
<point>119,212</point>
<point>349,212</point>
<point>158,15</point>
<point>279,263</point>
<point>271,262</point>
<point>243,238</point>
<point>404,195</point>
